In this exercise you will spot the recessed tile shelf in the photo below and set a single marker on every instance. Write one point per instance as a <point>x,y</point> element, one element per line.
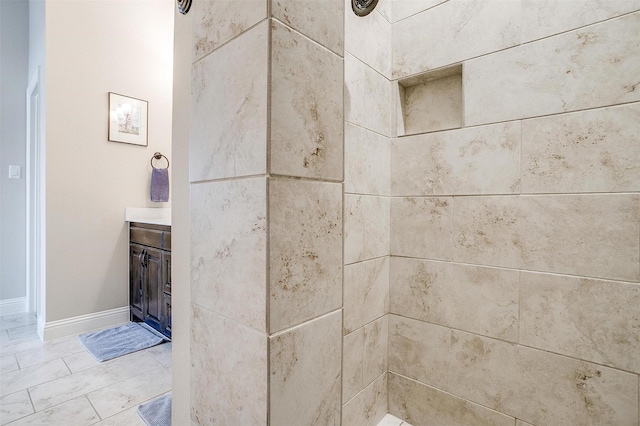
<point>429,102</point>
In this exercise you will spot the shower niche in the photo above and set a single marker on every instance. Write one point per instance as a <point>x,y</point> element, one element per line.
<point>430,102</point>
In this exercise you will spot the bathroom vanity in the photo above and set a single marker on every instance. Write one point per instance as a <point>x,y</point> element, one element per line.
<point>150,270</point>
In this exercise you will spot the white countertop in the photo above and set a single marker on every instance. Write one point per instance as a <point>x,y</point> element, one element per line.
<point>150,215</point>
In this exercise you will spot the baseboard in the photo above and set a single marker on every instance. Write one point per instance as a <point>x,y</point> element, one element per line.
<point>13,306</point>
<point>84,323</point>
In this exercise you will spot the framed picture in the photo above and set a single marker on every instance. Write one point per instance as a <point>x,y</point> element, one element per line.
<point>127,119</point>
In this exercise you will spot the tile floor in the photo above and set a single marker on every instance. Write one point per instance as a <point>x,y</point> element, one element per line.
<point>59,383</point>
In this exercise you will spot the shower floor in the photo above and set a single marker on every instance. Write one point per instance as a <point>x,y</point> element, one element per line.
<point>391,420</point>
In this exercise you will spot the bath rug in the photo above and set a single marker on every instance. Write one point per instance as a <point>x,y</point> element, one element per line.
<point>156,412</point>
<point>124,339</point>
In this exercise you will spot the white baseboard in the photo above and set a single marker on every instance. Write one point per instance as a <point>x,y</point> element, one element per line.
<point>83,323</point>
<point>13,306</point>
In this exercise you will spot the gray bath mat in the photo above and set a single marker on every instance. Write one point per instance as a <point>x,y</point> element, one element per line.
<point>113,342</point>
<point>156,412</point>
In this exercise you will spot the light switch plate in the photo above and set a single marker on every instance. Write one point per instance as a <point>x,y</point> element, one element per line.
<point>15,172</point>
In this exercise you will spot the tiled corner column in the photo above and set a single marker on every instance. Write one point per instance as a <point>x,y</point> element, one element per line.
<point>266,202</point>
<point>368,128</point>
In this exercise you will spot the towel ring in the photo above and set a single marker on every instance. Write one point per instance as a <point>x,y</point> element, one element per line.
<point>158,156</point>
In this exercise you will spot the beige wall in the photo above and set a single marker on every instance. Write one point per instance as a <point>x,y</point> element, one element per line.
<point>94,48</point>
<point>514,239</point>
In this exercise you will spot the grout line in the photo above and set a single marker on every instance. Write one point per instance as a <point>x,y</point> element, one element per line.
<point>317,43</point>
<point>86,396</point>
<point>227,179</point>
<point>512,195</point>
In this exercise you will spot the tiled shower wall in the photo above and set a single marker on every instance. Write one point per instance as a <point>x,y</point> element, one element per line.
<point>266,172</point>
<point>368,131</point>
<point>514,274</point>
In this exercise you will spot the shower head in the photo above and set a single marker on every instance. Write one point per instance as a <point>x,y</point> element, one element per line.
<point>363,7</point>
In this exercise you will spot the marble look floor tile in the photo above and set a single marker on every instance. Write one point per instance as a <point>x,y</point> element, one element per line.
<point>80,361</point>
<point>120,396</point>
<point>13,347</point>
<point>162,353</point>
<point>15,406</point>
<point>24,332</point>
<point>32,376</point>
<point>369,407</point>
<point>4,336</point>
<point>129,417</point>
<point>16,320</point>
<point>8,364</point>
<point>323,24</point>
<point>49,351</point>
<point>77,412</point>
<point>424,405</point>
<point>63,389</point>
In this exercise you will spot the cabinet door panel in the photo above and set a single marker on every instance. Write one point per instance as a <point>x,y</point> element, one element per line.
<point>167,315</point>
<point>153,299</point>
<point>166,271</point>
<point>136,280</point>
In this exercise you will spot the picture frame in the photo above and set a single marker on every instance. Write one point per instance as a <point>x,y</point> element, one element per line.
<point>128,119</point>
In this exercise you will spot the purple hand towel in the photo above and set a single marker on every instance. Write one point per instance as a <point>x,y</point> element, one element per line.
<point>160,185</point>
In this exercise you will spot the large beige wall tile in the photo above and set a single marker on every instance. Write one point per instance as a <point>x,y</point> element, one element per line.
<point>320,20</point>
<point>305,373</point>
<point>402,9</point>
<point>367,97</point>
<point>305,240</point>
<point>369,39</point>
<point>352,359</point>
<point>542,18</point>
<point>228,360</point>
<point>306,107</point>
<point>587,151</point>
<point>591,67</point>
<point>366,161</point>
<point>366,227</point>
<point>229,109</point>
<point>229,249</point>
<point>369,406</point>
<point>590,235</point>
<point>588,319</point>
<point>419,350</point>
<point>540,387</point>
<point>471,298</point>
<point>476,160</point>
<point>376,349</point>
<point>422,227</point>
<point>215,22</point>
<point>449,33</point>
<point>422,405</point>
<point>366,292</point>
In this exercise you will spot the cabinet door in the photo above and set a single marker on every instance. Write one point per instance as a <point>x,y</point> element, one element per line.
<point>136,279</point>
<point>167,315</point>
<point>166,271</point>
<point>153,292</point>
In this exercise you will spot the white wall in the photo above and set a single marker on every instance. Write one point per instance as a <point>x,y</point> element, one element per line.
<point>94,48</point>
<point>14,46</point>
<point>181,218</point>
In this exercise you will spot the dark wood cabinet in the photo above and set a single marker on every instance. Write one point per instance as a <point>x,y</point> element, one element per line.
<point>150,275</point>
